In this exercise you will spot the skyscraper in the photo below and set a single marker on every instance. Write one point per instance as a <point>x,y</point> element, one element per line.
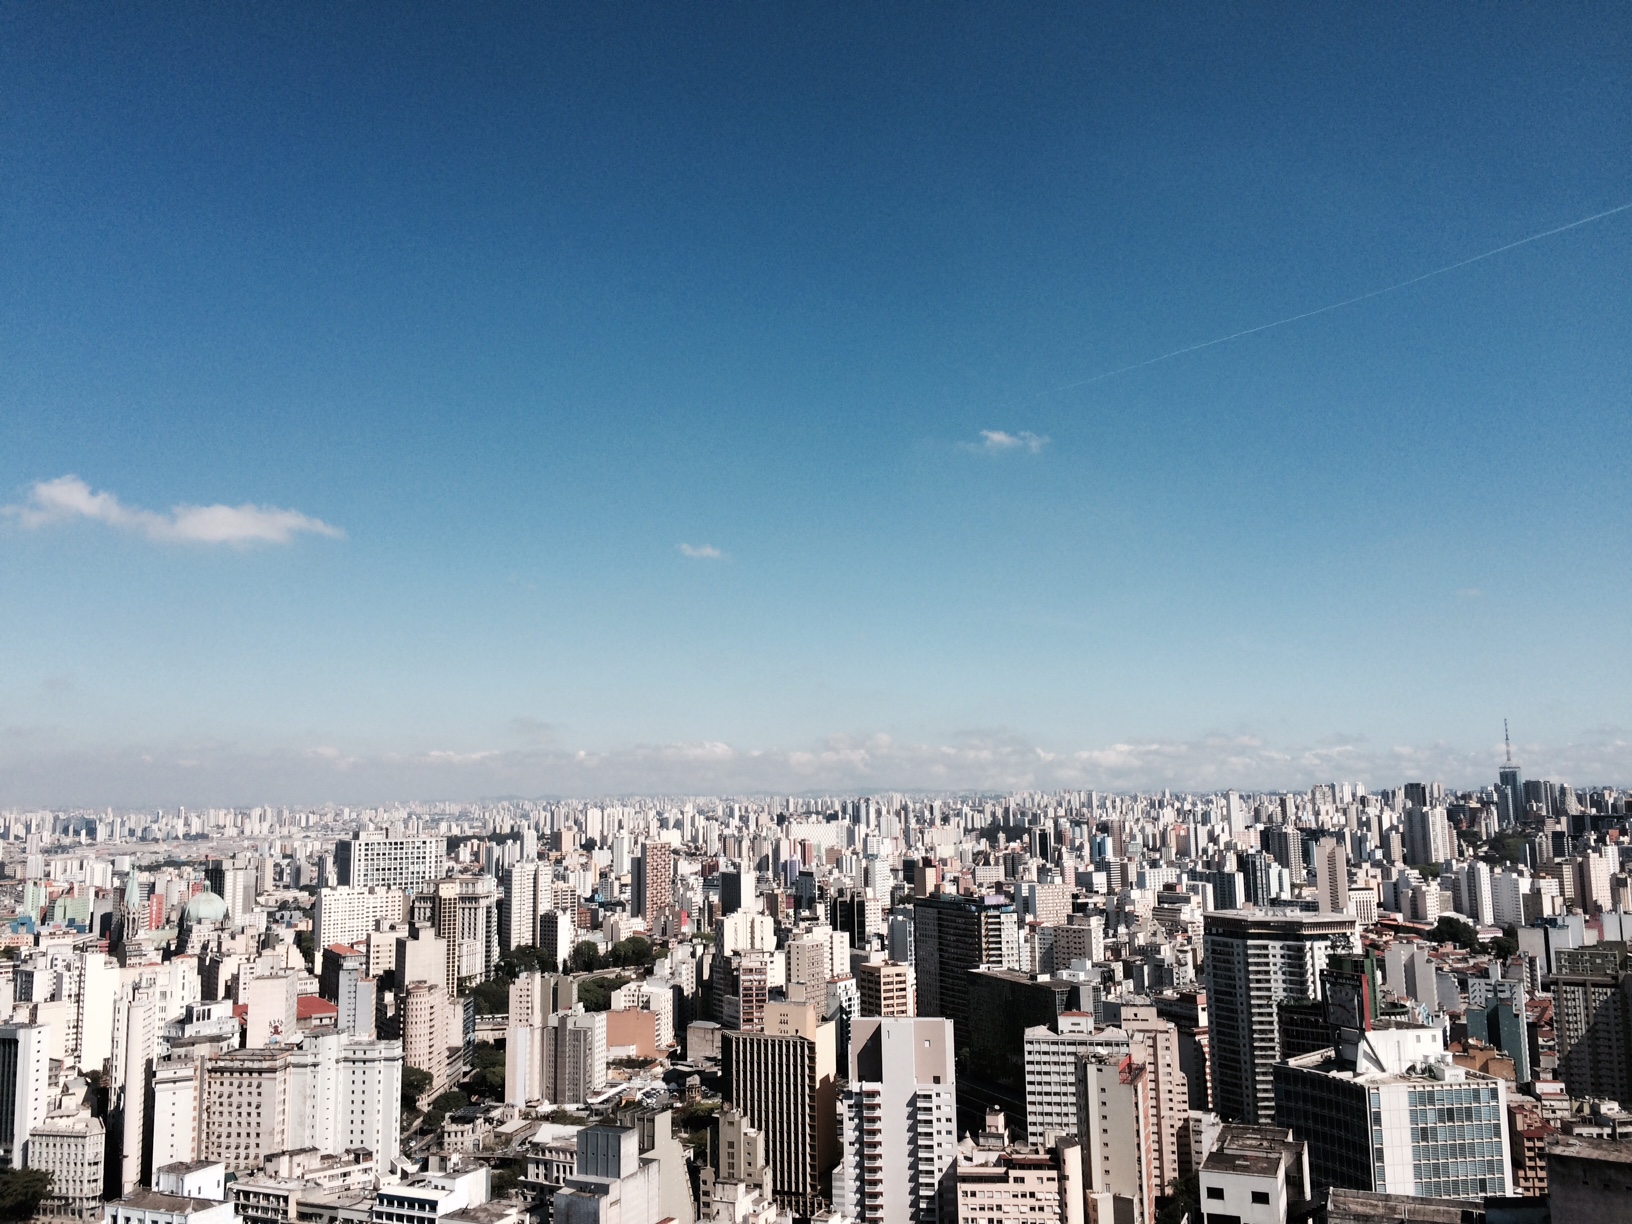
<point>783,1082</point>
<point>1427,835</point>
<point>952,935</point>
<point>1255,960</point>
<point>1332,875</point>
<point>653,880</point>
<point>898,1122</point>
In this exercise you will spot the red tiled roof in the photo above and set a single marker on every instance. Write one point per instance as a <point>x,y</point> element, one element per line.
<point>308,1007</point>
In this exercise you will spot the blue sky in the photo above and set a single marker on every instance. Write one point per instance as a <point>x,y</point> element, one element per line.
<point>506,305</point>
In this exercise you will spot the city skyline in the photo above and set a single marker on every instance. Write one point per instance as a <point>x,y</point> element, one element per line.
<point>684,401</point>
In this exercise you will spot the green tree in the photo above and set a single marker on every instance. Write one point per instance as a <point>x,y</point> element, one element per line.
<point>1454,930</point>
<point>21,1191</point>
<point>596,993</point>
<point>488,1077</point>
<point>492,996</point>
<point>585,958</point>
<point>443,1106</point>
<point>506,1175</point>
<point>1185,1200</point>
<point>634,952</point>
<point>415,1084</point>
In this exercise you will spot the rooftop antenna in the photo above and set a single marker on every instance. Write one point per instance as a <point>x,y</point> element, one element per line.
<point>1507,741</point>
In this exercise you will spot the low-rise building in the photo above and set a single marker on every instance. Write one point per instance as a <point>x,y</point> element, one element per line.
<point>1589,1179</point>
<point>1255,1174</point>
<point>156,1207</point>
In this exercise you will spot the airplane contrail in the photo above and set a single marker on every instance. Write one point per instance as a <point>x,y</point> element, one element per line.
<point>1309,314</point>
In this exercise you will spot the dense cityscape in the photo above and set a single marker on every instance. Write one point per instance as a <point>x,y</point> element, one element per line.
<point>1080,1008</point>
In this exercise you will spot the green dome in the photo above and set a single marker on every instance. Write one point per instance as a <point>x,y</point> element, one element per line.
<point>206,907</point>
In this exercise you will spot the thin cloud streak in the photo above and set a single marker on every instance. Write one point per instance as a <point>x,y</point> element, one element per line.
<point>69,499</point>
<point>701,552</point>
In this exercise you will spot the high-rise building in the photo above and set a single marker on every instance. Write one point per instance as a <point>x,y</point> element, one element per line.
<point>952,935</point>
<point>1592,1017</point>
<point>1427,836</point>
<point>557,936</point>
<point>898,1122</point>
<point>1284,844</point>
<point>347,915</point>
<point>554,1050</point>
<point>1331,856</point>
<point>1255,960</point>
<point>177,1084</point>
<point>374,858</point>
<point>1155,1043</point>
<point>25,1057</point>
<point>246,1107</point>
<point>526,892</point>
<point>332,1093</point>
<point>782,1080</point>
<point>1188,1011</point>
<point>885,988</point>
<point>653,883</point>
<point>346,1092</point>
<point>1051,1055</point>
<point>1114,1119</point>
<point>136,1024</point>
<point>466,915</point>
<point>731,889</point>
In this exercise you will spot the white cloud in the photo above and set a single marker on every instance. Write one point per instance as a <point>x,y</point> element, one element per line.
<point>68,499</point>
<point>1001,442</point>
<point>49,769</point>
<point>704,552</point>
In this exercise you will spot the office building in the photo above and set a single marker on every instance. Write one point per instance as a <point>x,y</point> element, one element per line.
<point>374,858</point>
<point>1255,960</point>
<point>952,935</point>
<point>25,1055</point>
<point>782,1080</point>
<point>898,1122</point>
<point>347,915</point>
<point>1391,1112</point>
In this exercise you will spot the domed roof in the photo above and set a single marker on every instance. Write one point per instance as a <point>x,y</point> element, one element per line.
<point>206,907</point>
